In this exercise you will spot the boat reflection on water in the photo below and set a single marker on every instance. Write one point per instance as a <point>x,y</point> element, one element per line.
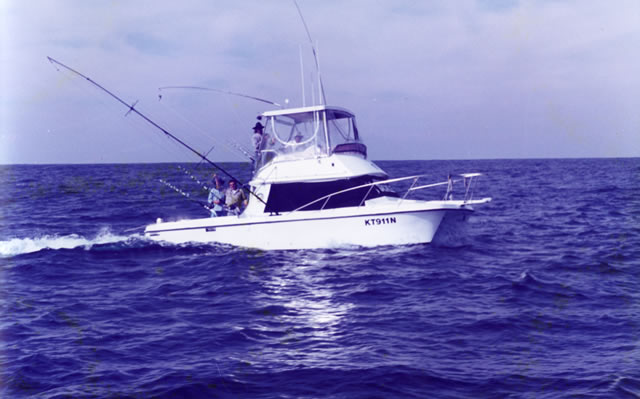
<point>299,318</point>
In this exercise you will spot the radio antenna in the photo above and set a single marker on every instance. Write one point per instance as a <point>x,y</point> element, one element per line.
<point>302,76</point>
<point>315,54</point>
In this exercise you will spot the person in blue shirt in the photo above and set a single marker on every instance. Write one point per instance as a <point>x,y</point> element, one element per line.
<point>216,197</point>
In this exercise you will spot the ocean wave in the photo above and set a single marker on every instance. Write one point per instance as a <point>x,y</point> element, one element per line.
<point>534,298</point>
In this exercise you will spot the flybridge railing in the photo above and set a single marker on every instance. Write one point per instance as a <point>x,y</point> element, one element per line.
<point>467,178</point>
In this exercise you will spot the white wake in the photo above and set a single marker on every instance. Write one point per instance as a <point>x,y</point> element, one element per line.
<point>19,246</point>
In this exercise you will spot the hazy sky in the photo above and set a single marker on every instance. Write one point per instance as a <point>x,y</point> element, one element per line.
<point>426,79</point>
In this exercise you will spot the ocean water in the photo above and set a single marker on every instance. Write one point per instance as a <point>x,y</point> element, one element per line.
<point>535,296</point>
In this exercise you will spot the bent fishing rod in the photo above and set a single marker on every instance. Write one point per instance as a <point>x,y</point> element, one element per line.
<point>163,130</point>
<point>217,91</point>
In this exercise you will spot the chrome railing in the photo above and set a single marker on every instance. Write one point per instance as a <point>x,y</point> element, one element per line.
<point>466,177</point>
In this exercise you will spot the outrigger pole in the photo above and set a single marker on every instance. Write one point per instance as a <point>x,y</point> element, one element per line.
<point>315,54</point>
<point>163,130</point>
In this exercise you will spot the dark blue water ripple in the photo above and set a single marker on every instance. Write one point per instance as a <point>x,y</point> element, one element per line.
<point>535,295</point>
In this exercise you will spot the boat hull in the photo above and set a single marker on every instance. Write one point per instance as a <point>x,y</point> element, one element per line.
<point>360,226</point>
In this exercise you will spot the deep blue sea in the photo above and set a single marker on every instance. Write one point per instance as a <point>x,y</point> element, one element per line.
<point>536,296</point>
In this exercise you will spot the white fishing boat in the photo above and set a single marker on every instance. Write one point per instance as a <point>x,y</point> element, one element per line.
<point>313,187</point>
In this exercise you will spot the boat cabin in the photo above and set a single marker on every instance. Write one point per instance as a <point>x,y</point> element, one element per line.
<point>311,152</point>
<point>309,132</point>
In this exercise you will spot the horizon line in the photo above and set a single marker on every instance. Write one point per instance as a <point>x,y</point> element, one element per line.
<point>377,160</point>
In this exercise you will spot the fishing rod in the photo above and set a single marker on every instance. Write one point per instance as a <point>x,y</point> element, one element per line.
<point>163,130</point>
<point>206,154</point>
<point>232,145</point>
<point>229,143</point>
<point>197,129</point>
<point>218,91</point>
<point>186,195</point>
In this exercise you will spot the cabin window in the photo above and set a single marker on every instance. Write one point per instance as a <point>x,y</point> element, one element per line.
<point>341,127</point>
<point>304,135</point>
<point>343,133</point>
<point>285,197</point>
<point>291,137</point>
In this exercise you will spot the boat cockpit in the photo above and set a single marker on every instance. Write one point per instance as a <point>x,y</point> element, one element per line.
<point>309,132</point>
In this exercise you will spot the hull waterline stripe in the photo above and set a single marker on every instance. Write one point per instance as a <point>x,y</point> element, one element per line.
<point>304,220</point>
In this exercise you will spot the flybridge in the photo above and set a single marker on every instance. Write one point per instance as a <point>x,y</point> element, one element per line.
<point>307,132</point>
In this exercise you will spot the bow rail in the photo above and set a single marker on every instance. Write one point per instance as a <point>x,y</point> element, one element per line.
<point>467,178</point>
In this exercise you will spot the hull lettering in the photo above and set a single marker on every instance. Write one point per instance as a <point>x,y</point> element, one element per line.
<point>379,221</point>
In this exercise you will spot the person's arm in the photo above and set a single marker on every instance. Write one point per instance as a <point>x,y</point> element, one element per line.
<point>244,197</point>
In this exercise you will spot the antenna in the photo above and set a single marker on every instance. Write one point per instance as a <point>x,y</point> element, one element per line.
<point>323,97</point>
<point>302,76</point>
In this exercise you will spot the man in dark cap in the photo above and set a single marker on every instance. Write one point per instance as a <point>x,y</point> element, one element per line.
<point>258,129</point>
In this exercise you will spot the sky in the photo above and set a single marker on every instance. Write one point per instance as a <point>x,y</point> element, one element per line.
<point>464,79</point>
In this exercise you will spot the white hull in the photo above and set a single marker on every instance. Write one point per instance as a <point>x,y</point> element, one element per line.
<point>386,223</point>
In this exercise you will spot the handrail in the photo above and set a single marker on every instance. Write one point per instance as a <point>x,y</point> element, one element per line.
<point>415,177</point>
<point>356,188</point>
<point>431,185</point>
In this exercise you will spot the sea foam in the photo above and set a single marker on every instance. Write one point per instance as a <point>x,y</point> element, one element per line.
<point>20,246</point>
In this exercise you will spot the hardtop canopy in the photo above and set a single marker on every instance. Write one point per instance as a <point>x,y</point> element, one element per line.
<point>306,113</point>
<point>308,132</point>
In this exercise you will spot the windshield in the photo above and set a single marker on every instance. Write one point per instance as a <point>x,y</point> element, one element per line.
<point>308,134</point>
<point>342,128</point>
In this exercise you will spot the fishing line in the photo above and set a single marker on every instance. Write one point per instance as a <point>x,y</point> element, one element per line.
<point>222,91</point>
<point>172,149</point>
<point>96,85</point>
<point>163,130</point>
<point>193,125</point>
<point>110,108</point>
<point>241,149</point>
<point>185,195</point>
<point>194,178</point>
<point>231,146</point>
<point>238,122</point>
